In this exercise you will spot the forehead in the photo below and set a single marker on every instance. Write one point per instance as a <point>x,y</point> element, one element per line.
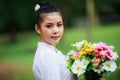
<point>51,17</point>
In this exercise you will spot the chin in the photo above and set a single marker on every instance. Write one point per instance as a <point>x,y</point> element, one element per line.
<point>55,42</point>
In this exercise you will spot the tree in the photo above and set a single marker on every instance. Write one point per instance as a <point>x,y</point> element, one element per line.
<point>92,17</point>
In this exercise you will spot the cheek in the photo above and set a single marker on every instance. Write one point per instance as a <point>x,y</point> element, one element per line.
<point>45,30</point>
<point>62,30</point>
<point>47,33</point>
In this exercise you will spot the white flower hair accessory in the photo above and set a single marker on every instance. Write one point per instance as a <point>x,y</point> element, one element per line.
<point>37,7</point>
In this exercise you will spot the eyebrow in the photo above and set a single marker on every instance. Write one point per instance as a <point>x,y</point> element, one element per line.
<point>57,22</point>
<point>49,23</point>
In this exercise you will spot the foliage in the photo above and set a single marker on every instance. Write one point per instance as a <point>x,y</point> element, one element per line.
<point>22,11</point>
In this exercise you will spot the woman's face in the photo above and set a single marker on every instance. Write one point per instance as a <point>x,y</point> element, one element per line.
<point>51,28</point>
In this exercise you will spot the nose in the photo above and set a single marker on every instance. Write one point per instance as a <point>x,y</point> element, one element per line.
<point>55,30</point>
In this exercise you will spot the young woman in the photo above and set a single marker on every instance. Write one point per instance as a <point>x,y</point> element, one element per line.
<point>49,62</point>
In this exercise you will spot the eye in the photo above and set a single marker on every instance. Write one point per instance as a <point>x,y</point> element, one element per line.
<point>49,26</point>
<point>60,24</point>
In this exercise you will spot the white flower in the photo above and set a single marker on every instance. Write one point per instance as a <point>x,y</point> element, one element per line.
<point>78,45</point>
<point>109,66</point>
<point>71,52</point>
<point>94,44</point>
<point>98,69</point>
<point>85,62</point>
<point>67,58</point>
<point>77,68</point>
<point>114,55</point>
<point>37,7</point>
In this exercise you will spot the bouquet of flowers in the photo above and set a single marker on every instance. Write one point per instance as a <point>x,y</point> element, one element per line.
<point>91,59</point>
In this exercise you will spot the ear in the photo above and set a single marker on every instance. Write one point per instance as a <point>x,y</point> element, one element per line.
<point>37,28</point>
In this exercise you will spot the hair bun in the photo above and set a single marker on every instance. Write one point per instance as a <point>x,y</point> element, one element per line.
<point>43,3</point>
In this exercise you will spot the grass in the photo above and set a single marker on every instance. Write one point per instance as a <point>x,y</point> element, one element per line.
<point>20,54</point>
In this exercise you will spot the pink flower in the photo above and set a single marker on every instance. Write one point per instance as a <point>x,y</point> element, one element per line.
<point>97,54</point>
<point>103,46</point>
<point>76,55</point>
<point>103,53</point>
<point>97,61</point>
<point>102,57</point>
<point>108,54</point>
<point>103,50</point>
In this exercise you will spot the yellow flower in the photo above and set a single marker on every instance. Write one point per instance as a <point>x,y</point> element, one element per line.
<point>83,49</point>
<point>86,44</point>
<point>89,50</point>
<point>73,57</point>
<point>93,46</point>
<point>82,53</point>
<point>67,61</point>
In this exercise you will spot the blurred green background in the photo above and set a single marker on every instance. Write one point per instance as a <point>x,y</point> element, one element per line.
<point>93,20</point>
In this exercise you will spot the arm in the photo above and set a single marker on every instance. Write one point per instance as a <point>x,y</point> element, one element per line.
<point>46,68</point>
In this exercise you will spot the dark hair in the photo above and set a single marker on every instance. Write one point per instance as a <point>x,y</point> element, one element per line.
<point>45,7</point>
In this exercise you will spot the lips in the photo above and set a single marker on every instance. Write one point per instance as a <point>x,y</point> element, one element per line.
<point>55,37</point>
